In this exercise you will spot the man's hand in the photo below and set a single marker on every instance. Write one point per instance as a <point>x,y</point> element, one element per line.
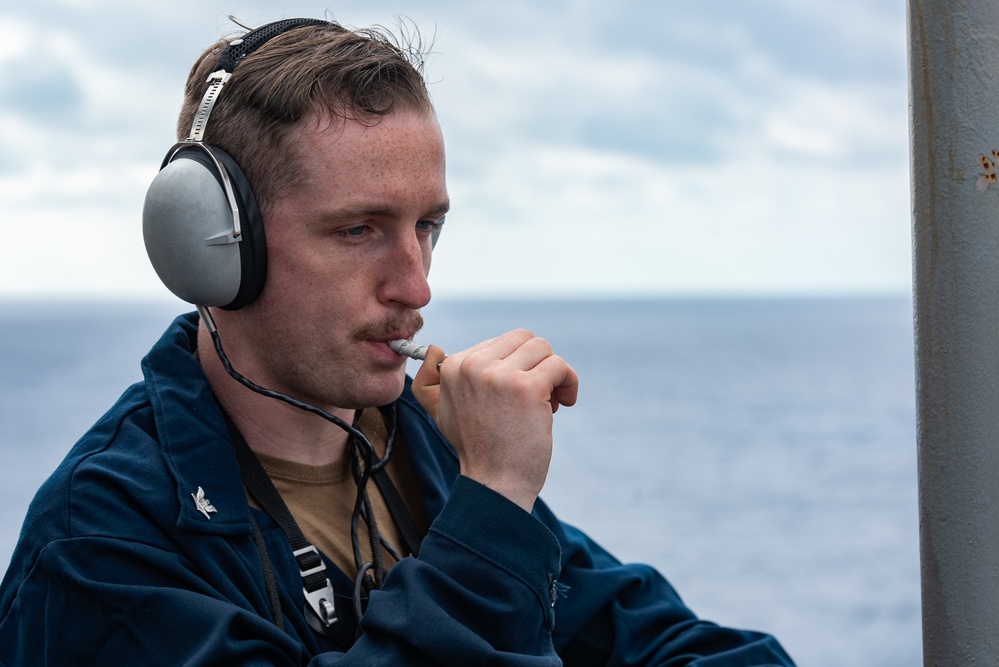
<point>494,402</point>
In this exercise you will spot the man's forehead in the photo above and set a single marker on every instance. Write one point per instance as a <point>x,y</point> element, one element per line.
<point>342,127</point>
<point>394,168</point>
<point>396,143</point>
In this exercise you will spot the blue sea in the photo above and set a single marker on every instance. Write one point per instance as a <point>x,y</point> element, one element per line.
<point>759,452</point>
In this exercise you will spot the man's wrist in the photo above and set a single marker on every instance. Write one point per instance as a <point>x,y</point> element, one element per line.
<point>516,491</point>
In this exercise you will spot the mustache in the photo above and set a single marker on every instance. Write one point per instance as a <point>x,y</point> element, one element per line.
<point>391,326</point>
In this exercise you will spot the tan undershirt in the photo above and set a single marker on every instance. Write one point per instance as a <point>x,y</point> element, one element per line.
<point>321,498</point>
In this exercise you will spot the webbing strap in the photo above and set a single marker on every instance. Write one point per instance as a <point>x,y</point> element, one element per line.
<point>315,584</point>
<point>400,513</point>
<point>331,615</point>
<point>393,499</point>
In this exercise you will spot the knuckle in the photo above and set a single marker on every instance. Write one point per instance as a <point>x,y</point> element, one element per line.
<point>521,334</point>
<point>543,345</point>
<point>468,363</point>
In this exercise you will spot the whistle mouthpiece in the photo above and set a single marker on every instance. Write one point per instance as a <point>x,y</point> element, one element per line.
<point>408,348</point>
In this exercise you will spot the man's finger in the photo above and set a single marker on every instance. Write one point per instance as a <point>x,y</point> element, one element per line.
<point>563,380</point>
<point>427,382</point>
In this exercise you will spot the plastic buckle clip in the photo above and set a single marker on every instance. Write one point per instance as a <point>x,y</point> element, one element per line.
<point>319,600</point>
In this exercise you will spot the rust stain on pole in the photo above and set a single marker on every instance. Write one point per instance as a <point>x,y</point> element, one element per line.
<point>954,110</point>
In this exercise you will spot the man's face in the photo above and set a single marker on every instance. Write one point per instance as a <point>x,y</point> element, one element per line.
<point>348,254</point>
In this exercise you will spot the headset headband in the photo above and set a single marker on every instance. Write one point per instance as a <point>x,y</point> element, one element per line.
<point>232,55</point>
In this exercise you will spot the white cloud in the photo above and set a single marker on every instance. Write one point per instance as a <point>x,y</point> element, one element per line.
<point>13,39</point>
<point>698,154</point>
<point>836,122</point>
<point>620,224</point>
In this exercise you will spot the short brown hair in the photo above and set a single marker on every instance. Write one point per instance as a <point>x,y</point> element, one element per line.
<point>316,70</point>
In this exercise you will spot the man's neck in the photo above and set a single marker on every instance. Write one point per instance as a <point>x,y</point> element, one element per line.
<point>269,425</point>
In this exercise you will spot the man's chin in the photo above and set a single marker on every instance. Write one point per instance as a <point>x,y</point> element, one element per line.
<point>387,390</point>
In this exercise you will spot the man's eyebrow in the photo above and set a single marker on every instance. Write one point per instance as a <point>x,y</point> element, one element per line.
<point>350,212</point>
<point>444,207</point>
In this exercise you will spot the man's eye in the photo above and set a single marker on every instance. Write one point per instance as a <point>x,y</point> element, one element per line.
<point>355,232</point>
<point>430,225</point>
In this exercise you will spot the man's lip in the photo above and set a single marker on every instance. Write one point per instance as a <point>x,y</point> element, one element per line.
<point>396,336</point>
<point>383,343</point>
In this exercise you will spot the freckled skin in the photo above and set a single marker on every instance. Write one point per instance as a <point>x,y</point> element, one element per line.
<point>348,257</point>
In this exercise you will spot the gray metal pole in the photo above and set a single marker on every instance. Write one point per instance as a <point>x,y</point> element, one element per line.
<point>954,128</point>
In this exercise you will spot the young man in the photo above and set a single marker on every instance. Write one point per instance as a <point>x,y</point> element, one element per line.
<point>276,491</point>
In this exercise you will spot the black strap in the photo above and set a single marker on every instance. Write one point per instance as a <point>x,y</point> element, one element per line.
<point>260,485</point>
<point>262,488</point>
<point>316,585</point>
<point>393,499</point>
<point>343,626</point>
<point>400,513</point>
<point>270,580</point>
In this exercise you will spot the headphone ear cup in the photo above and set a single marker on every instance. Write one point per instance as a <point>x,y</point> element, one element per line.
<point>252,245</point>
<point>187,226</point>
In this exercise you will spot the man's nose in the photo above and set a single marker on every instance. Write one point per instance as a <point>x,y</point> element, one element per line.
<point>406,269</point>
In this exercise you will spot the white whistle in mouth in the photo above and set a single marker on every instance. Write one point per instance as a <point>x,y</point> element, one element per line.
<point>408,348</point>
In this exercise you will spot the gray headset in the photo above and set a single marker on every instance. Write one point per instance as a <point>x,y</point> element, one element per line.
<point>200,222</point>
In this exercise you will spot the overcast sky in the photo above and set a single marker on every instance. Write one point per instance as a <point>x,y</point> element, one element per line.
<point>594,148</point>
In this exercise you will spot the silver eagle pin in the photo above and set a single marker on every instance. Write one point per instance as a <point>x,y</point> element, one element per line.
<point>203,504</point>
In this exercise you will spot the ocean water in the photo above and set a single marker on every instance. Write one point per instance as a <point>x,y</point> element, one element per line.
<point>759,452</point>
